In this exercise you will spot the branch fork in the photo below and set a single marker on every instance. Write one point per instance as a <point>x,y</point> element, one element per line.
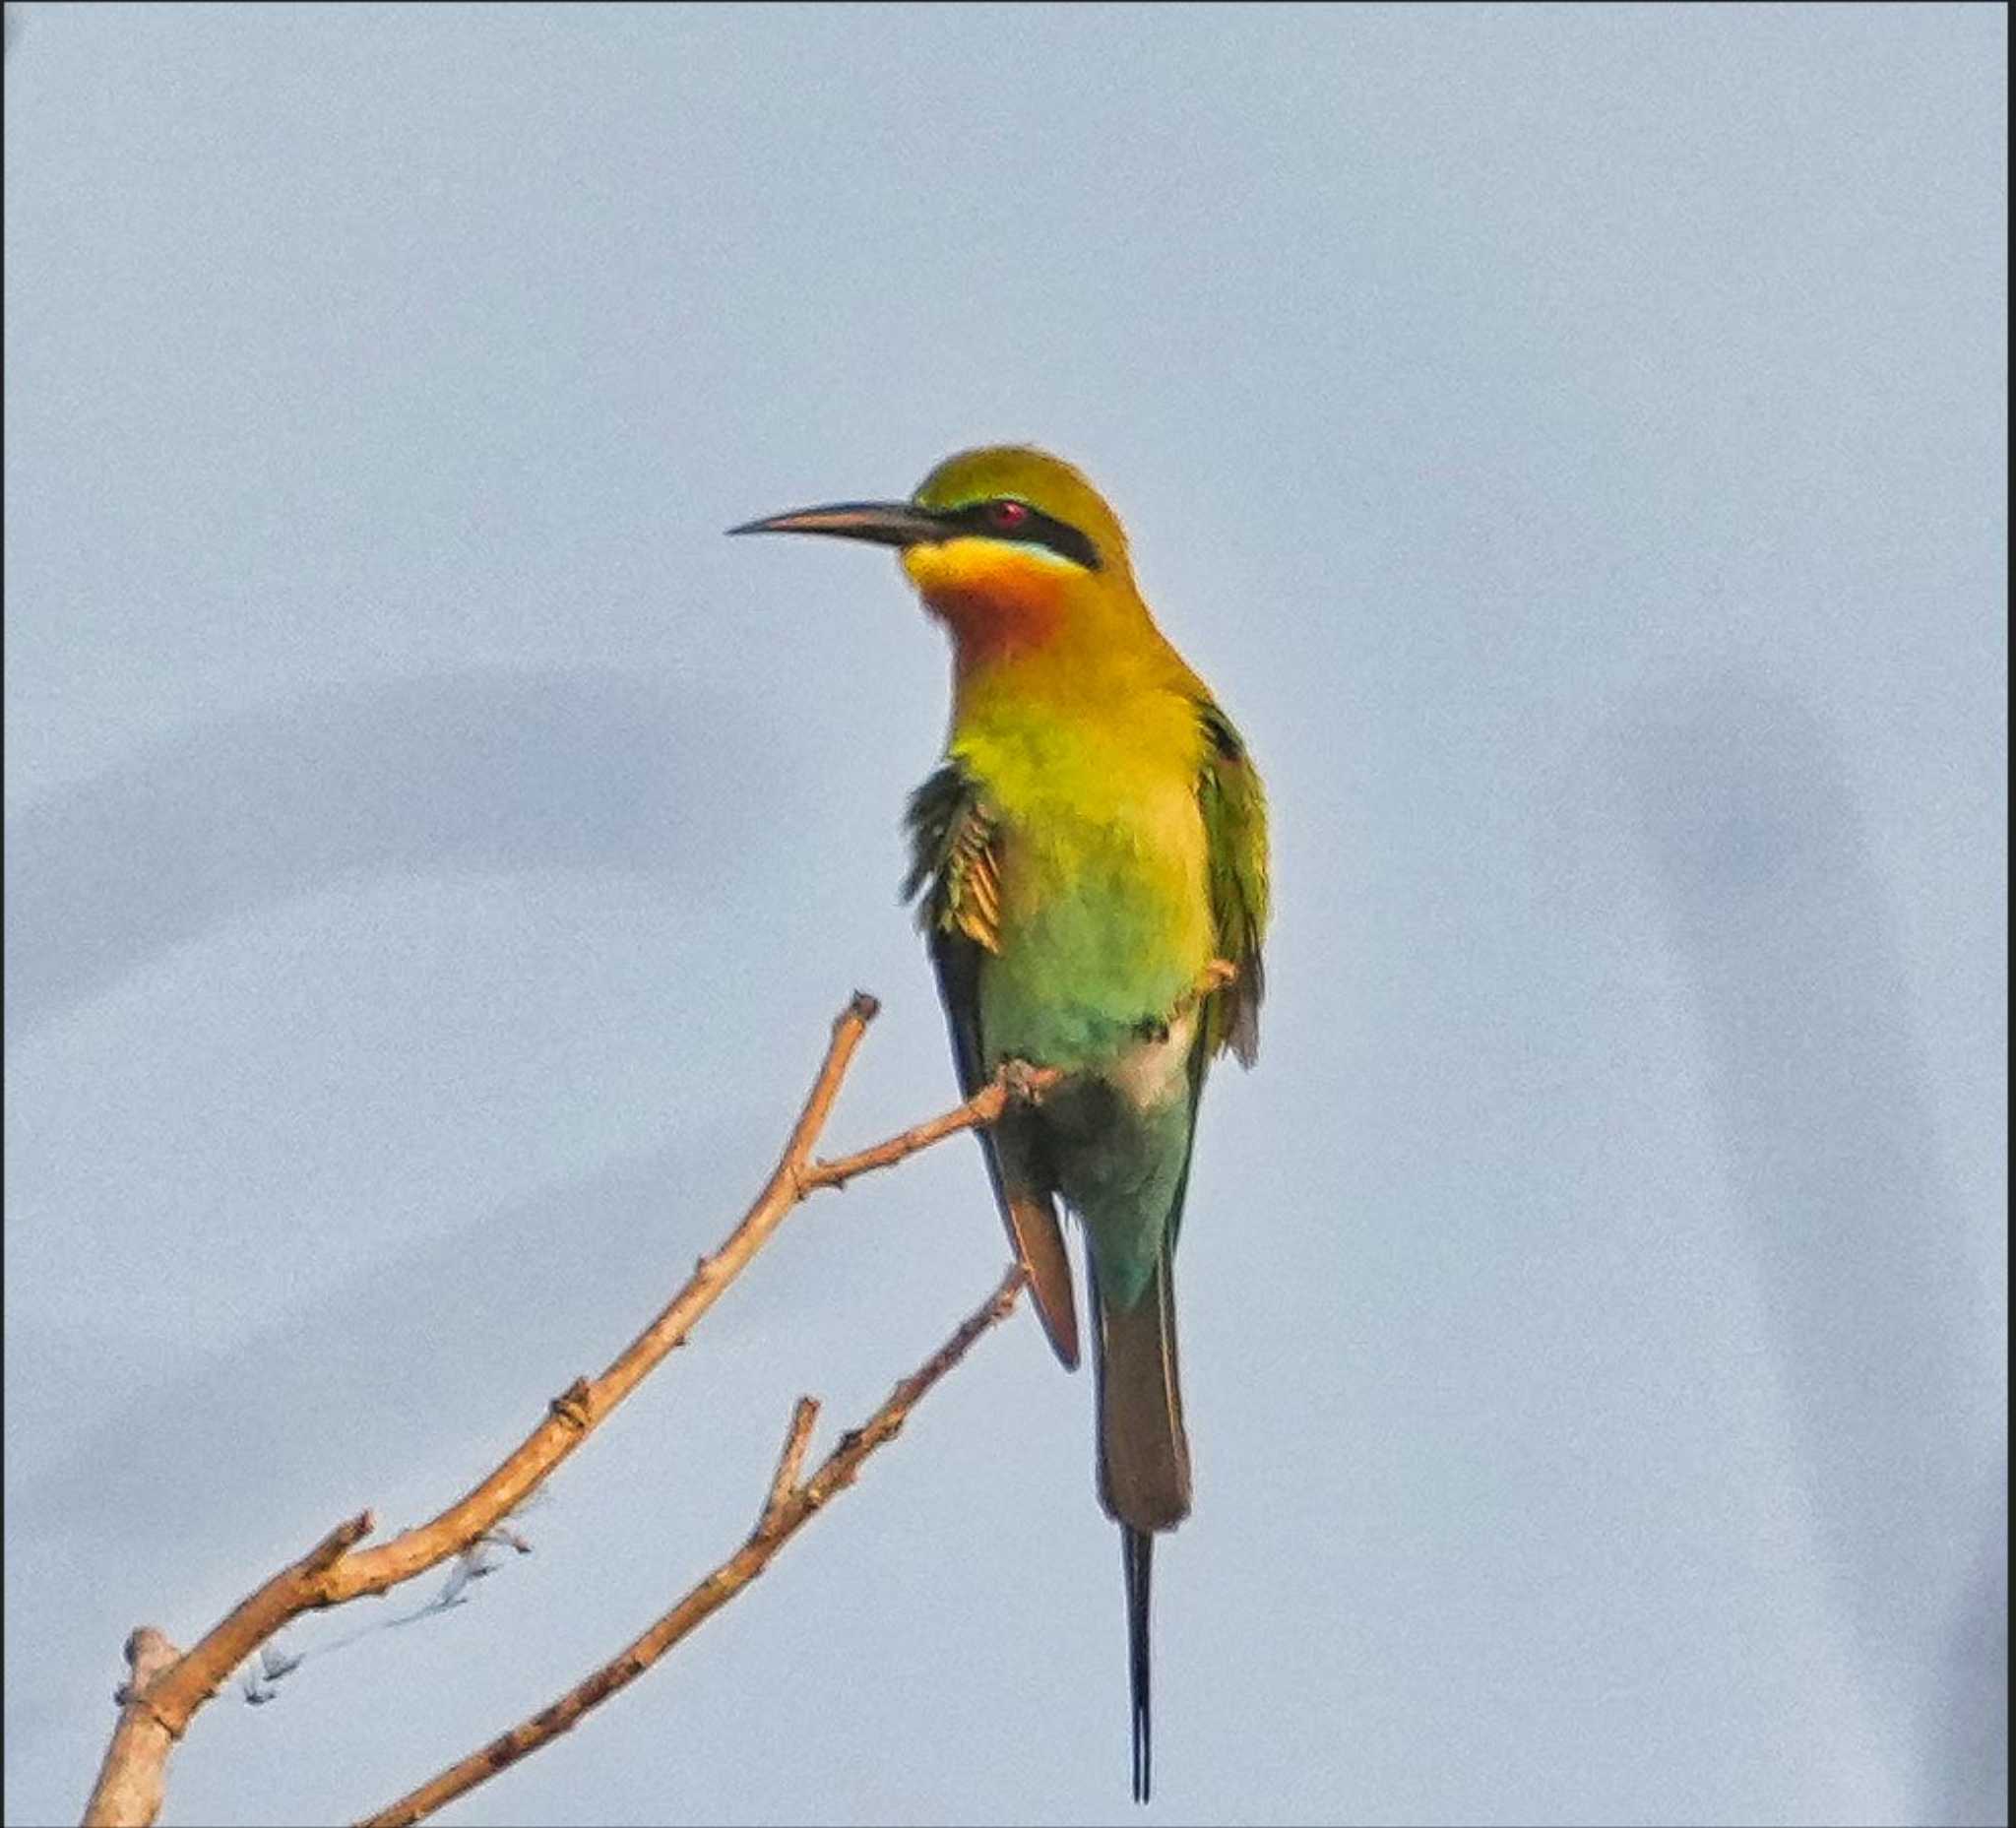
<point>787,1507</point>
<point>166,1688</point>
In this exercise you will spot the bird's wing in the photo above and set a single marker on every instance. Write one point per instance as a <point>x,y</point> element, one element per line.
<point>954,864</point>
<point>1234,807</point>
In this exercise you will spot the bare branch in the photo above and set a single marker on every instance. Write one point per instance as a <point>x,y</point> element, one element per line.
<point>130,1781</point>
<point>158,1703</point>
<point>336,1572</point>
<point>781,1519</point>
<point>582,1408</point>
<point>982,1108</point>
<point>784,1481</point>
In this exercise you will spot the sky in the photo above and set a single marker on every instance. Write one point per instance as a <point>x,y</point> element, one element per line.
<point>1572,442</point>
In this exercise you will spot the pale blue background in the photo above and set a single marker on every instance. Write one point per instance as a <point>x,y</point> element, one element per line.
<point>1573,442</point>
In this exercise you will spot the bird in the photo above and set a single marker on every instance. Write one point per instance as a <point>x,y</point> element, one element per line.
<point>1090,864</point>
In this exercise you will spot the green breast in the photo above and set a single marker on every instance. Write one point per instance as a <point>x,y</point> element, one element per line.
<point>1104,926</point>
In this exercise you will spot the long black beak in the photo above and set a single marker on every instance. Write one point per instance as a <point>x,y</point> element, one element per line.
<point>884,523</point>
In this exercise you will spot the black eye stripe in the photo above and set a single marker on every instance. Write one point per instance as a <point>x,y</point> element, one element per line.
<point>1039,529</point>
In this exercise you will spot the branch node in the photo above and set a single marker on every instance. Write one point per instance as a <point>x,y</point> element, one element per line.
<point>571,1406</point>
<point>148,1654</point>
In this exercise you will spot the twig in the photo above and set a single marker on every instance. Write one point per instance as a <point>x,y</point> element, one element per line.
<point>334,1573</point>
<point>982,1108</point>
<point>784,1481</point>
<point>789,1507</point>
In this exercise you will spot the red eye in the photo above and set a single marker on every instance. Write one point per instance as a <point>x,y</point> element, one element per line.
<point>1008,515</point>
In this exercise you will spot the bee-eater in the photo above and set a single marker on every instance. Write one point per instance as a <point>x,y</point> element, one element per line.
<point>1092,856</point>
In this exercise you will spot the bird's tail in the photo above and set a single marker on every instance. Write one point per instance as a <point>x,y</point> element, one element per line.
<point>1137,1558</point>
<point>1144,1460</point>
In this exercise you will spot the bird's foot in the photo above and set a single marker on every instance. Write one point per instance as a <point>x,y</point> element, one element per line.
<point>1215,975</point>
<point>1025,1083</point>
<point>1208,982</point>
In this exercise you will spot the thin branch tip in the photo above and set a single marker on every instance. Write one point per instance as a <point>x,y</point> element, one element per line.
<point>340,1541</point>
<point>791,1462</point>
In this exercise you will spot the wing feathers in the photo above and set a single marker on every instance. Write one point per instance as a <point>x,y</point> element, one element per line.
<point>1234,809</point>
<point>952,837</point>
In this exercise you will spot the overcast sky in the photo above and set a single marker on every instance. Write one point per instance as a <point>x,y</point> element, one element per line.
<point>1573,444</point>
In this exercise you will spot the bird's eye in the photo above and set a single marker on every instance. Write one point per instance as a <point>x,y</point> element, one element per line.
<point>1008,516</point>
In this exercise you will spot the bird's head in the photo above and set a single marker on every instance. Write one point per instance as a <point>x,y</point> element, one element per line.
<point>1007,544</point>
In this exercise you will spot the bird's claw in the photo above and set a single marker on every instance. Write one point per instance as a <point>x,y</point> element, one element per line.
<point>1208,982</point>
<point>1025,1084</point>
